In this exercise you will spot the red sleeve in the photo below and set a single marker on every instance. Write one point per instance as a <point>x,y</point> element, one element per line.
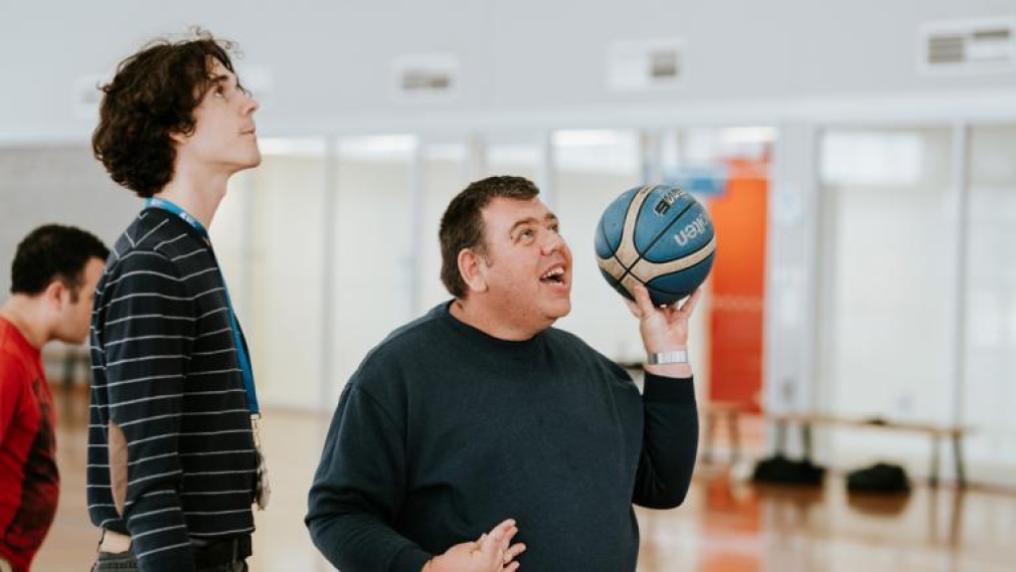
<point>12,386</point>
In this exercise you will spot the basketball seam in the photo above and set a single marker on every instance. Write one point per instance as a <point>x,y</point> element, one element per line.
<point>606,239</point>
<point>620,238</point>
<point>709,246</point>
<point>627,243</point>
<point>613,253</point>
<point>686,256</point>
<point>701,262</point>
<point>664,231</point>
<point>652,243</point>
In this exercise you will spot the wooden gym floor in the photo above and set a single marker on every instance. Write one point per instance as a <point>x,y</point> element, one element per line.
<point>723,526</point>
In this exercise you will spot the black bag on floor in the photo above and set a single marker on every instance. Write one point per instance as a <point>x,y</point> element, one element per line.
<point>779,469</point>
<point>878,478</point>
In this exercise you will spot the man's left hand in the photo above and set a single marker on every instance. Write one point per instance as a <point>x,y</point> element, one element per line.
<point>664,328</point>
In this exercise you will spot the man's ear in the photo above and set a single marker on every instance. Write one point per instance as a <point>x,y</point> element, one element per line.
<point>472,268</point>
<point>177,137</point>
<point>56,294</point>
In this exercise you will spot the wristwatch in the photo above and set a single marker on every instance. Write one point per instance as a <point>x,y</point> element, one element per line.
<point>676,356</point>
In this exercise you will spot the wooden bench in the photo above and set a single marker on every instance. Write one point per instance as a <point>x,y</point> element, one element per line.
<point>937,433</point>
<point>732,410</point>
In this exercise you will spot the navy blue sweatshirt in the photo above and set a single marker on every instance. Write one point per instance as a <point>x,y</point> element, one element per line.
<point>444,431</point>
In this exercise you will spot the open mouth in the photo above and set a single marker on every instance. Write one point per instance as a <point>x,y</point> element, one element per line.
<point>553,276</point>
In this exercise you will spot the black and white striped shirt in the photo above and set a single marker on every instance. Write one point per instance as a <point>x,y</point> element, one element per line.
<point>166,371</point>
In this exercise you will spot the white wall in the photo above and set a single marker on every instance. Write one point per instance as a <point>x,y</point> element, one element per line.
<point>330,60</point>
<point>989,358</point>
<point>793,64</point>
<point>62,185</point>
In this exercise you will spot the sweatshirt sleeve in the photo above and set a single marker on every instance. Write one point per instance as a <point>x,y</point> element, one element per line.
<point>359,488</point>
<point>145,359</point>
<point>669,442</point>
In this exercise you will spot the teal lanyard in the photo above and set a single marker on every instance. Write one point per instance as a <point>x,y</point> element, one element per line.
<point>241,349</point>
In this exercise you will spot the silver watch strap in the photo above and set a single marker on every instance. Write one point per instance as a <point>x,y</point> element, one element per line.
<point>677,356</point>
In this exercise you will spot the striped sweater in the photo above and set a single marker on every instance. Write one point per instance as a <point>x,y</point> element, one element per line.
<point>166,372</point>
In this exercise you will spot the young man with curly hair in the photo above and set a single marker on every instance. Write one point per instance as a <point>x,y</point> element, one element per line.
<point>53,280</point>
<point>173,467</point>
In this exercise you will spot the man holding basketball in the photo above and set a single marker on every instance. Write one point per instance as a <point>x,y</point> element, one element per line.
<point>480,411</point>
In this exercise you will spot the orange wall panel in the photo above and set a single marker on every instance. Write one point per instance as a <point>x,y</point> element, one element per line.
<point>738,282</point>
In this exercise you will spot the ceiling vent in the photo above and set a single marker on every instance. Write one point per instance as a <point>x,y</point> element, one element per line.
<point>425,77</point>
<point>969,46</point>
<point>645,65</point>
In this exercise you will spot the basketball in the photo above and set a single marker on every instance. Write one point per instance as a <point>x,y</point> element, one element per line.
<point>657,235</point>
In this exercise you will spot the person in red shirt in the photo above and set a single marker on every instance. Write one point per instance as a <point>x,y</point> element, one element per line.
<point>53,280</point>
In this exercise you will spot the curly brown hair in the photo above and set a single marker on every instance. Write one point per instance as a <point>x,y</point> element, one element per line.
<point>462,223</point>
<point>153,94</point>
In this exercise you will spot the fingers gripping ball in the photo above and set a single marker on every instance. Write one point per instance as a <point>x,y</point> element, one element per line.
<point>657,235</point>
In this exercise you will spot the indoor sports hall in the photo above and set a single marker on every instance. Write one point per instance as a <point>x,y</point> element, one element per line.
<point>854,344</point>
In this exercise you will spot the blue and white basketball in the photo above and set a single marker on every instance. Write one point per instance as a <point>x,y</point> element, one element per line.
<point>657,235</point>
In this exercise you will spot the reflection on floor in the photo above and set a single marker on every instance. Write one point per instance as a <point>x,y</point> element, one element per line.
<point>722,526</point>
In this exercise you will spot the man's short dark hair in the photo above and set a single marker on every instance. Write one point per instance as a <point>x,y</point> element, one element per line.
<point>153,94</point>
<point>54,252</point>
<point>462,223</point>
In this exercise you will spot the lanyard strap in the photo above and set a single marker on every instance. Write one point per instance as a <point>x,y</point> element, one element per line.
<point>243,357</point>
